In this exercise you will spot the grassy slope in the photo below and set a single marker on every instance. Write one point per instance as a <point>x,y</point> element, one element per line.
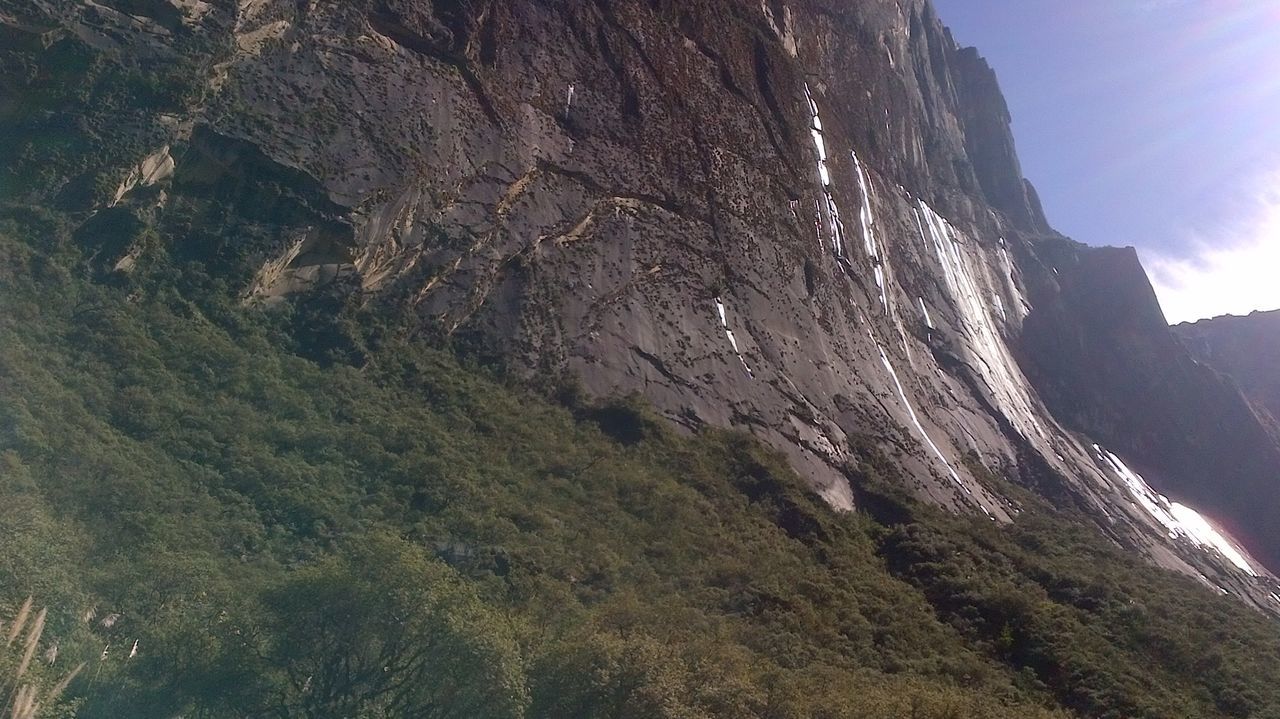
<point>170,458</point>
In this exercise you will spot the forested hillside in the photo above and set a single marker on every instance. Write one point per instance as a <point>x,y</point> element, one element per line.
<point>230,512</point>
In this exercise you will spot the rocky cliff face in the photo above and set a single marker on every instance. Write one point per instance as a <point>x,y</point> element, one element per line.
<point>1099,351</point>
<point>804,219</point>
<point>1245,349</point>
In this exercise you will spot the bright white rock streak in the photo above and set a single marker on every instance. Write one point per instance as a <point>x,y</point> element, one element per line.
<point>1180,520</point>
<point>728,333</point>
<point>924,310</point>
<point>978,321</point>
<point>867,219</point>
<point>1200,531</point>
<point>911,412</point>
<point>865,216</point>
<point>824,176</point>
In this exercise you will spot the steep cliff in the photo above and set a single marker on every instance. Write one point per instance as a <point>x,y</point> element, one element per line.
<point>803,219</point>
<point>1244,348</point>
<point>1100,352</point>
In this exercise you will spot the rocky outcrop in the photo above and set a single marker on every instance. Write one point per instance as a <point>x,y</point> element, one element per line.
<point>802,219</point>
<point>989,143</point>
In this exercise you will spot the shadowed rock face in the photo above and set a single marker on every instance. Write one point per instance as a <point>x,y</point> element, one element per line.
<point>802,219</point>
<point>1098,349</point>
<point>1245,348</point>
<point>1247,351</point>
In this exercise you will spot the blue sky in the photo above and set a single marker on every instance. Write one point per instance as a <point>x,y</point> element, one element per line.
<point>1152,123</point>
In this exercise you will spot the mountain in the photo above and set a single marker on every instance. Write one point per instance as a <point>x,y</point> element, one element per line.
<point>807,221</point>
<point>1107,364</point>
<point>801,221</point>
<point>1243,348</point>
<point>219,526</point>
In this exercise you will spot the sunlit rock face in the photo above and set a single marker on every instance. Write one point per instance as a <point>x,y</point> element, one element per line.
<point>805,220</point>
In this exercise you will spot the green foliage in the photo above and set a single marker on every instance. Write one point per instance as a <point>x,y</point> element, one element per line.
<point>79,116</point>
<point>380,629</point>
<point>281,536</point>
<point>384,630</point>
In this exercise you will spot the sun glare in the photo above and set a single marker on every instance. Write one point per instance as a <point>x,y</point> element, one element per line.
<point>1232,272</point>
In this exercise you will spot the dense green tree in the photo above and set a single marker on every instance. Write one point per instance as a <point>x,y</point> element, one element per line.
<point>382,630</point>
<point>224,524</point>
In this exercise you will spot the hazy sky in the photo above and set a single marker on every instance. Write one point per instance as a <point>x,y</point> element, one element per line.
<point>1152,123</point>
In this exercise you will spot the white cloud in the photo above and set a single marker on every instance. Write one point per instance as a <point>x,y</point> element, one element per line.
<point>1234,269</point>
